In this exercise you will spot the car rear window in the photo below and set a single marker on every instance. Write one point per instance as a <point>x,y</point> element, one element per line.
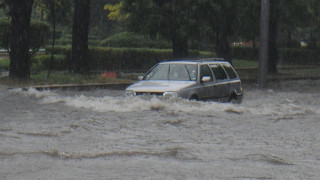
<point>232,74</point>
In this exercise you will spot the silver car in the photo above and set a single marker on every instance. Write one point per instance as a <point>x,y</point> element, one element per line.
<point>201,79</point>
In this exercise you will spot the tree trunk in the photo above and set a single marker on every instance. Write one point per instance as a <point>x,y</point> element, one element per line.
<point>264,43</point>
<point>274,36</point>
<point>20,11</point>
<point>80,32</point>
<point>180,47</point>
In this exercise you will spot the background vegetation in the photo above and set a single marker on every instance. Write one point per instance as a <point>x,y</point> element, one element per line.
<point>134,35</point>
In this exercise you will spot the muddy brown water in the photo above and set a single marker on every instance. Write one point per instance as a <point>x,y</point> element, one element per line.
<point>100,134</point>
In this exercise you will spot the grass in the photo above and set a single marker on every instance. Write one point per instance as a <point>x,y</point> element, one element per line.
<point>301,72</point>
<point>240,63</point>
<point>62,77</point>
<point>4,63</point>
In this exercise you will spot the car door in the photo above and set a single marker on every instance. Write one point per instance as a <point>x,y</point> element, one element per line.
<point>205,88</point>
<point>220,90</point>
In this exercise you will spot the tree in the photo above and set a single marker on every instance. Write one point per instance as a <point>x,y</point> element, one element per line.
<point>171,19</point>
<point>38,34</point>
<point>80,32</point>
<point>285,17</point>
<point>47,9</point>
<point>248,26</point>
<point>55,12</point>
<point>114,20</point>
<point>20,12</point>
<point>100,24</point>
<point>115,12</point>
<point>220,20</point>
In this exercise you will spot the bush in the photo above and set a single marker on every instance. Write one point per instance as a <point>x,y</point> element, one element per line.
<point>245,53</point>
<point>126,58</point>
<point>128,39</point>
<point>298,56</point>
<point>38,33</point>
<point>287,56</point>
<point>290,44</point>
<point>64,42</point>
<point>4,32</point>
<point>103,58</point>
<point>41,62</point>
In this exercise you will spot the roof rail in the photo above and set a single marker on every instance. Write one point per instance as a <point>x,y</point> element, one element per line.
<point>212,59</point>
<point>195,59</point>
<point>181,59</point>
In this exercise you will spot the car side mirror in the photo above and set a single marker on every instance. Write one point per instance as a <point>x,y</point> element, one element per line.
<point>206,79</point>
<point>140,78</point>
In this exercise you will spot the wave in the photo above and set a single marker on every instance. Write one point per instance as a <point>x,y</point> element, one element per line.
<point>259,102</point>
<point>171,152</point>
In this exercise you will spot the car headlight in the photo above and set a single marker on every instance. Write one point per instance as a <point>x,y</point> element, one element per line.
<point>170,94</point>
<point>129,93</point>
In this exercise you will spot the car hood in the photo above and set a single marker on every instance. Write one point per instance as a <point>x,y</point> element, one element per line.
<point>160,86</point>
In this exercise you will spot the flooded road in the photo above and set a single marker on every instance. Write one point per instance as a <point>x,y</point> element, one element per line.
<point>273,134</point>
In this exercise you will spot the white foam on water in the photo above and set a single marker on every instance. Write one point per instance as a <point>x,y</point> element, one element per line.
<point>266,102</point>
<point>133,104</point>
<point>32,92</point>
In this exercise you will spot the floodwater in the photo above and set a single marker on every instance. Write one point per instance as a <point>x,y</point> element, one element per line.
<point>273,134</point>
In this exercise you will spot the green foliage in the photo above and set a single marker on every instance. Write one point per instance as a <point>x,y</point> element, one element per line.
<point>128,39</point>
<point>103,58</point>
<point>64,42</point>
<point>61,8</point>
<point>114,12</point>
<point>173,20</point>
<point>4,32</point>
<point>248,20</point>
<point>245,53</point>
<point>299,56</point>
<point>4,64</point>
<point>41,63</point>
<point>290,43</point>
<point>288,56</point>
<point>38,33</point>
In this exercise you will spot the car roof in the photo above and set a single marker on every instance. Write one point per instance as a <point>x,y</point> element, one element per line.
<point>194,61</point>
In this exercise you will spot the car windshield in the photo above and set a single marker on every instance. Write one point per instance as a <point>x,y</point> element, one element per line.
<point>178,72</point>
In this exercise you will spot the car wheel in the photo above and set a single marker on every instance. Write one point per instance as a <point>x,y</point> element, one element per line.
<point>194,97</point>
<point>233,99</point>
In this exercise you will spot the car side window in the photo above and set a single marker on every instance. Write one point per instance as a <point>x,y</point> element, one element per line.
<point>205,71</point>
<point>218,72</point>
<point>232,74</point>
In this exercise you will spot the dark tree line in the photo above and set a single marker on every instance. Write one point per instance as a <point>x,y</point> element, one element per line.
<point>20,13</point>
<point>222,21</point>
<point>179,21</point>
